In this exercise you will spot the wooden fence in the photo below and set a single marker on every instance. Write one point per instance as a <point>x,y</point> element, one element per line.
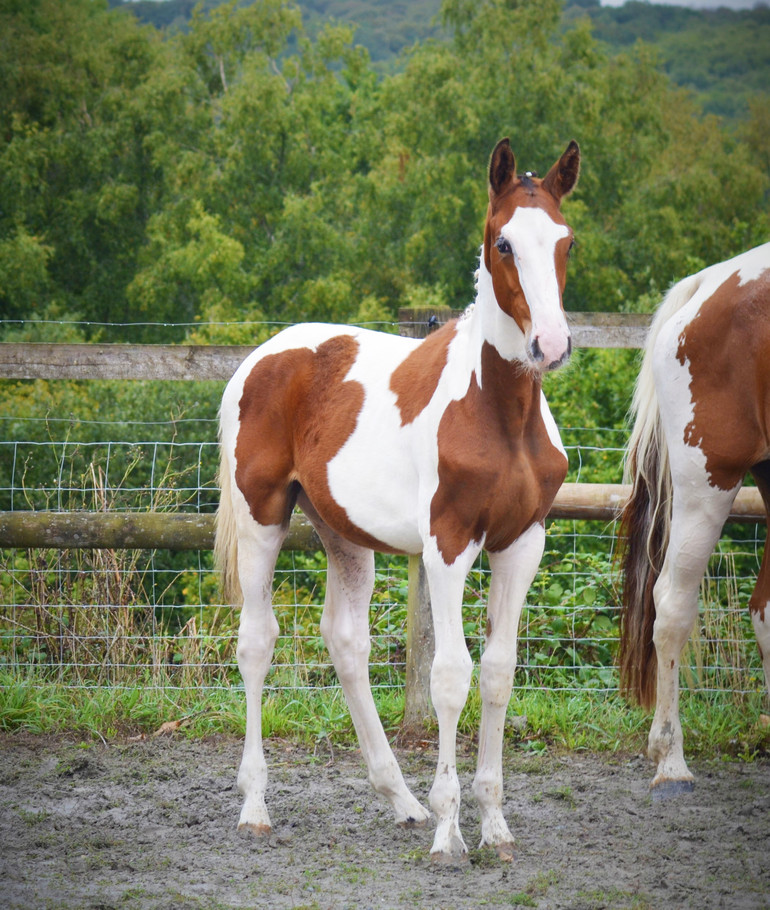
<point>219,362</point>
<point>155,530</point>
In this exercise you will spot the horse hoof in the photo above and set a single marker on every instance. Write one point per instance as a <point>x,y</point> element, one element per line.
<point>670,789</point>
<point>413,823</point>
<point>505,852</point>
<point>456,860</point>
<point>248,829</point>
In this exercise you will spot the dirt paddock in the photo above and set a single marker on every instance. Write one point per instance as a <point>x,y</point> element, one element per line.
<point>151,824</point>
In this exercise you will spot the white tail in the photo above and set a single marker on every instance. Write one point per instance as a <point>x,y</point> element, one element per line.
<point>226,540</point>
<point>647,452</point>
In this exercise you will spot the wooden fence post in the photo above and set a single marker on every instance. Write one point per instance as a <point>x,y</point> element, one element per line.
<point>420,645</point>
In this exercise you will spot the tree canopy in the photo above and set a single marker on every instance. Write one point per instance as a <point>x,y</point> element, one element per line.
<point>248,168</point>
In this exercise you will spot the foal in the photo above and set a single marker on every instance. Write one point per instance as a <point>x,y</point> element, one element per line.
<point>442,447</point>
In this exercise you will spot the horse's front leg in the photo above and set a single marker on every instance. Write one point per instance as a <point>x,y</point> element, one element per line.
<point>513,571</point>
<point>449,684</point>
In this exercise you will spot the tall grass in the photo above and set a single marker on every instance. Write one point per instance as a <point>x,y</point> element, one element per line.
<point>715,724</point>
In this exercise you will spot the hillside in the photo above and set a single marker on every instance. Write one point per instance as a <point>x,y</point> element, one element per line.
<point>722,55</point>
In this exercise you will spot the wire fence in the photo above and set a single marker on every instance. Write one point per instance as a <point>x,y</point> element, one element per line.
<point>125,618</point>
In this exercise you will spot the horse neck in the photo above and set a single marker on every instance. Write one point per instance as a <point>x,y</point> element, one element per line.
<point>489,324</point>
<point>492,348</point>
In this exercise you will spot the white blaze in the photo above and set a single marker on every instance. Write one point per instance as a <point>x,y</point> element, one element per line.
<point>533,237</point>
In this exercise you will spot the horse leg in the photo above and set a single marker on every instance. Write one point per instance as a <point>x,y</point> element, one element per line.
<point>698,516</point>
<point>449,684</point>
<point>759,604</point>
<point>513,571</point>
<point>257,552</point>
<point>345,630</point>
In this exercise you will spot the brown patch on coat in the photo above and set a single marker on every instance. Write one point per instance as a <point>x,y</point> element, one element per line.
<point>296,412</point>
<point>498,469</point>
<point>726,349</point>
<point>414,381</point>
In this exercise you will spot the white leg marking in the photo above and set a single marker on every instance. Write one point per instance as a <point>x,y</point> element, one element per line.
<point>512,574</point>
<point>345,629</point>
<point>257,552</point>
<point>696,524</point>
<point>449,684</point>
<point>761,623</point>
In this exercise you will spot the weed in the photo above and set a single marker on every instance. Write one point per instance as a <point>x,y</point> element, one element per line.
<point>563,793</point>
<point>614,898</point>
<point>33,816</point>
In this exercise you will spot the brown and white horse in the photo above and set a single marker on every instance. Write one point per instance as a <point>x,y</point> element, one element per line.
<point>702,422</point>
<point>441,447</point>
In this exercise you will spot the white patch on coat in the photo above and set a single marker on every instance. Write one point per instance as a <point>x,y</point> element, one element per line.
<point>373,476</point>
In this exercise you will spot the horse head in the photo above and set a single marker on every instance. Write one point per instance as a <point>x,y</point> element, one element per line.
<point>526,247</point>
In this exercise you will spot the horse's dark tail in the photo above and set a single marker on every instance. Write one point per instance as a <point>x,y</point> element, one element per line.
<point>646,519</point>
<point>644,533</point>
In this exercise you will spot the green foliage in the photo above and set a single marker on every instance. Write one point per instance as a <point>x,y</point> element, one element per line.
<point>721,54</point>
<point>254,167</point>
<point>715,725</point>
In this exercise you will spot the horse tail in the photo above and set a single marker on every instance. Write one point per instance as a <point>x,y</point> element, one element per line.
<point>646,518</point>
<point>226,538</point>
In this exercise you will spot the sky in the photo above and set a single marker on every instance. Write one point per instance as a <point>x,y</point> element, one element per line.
<point>694,4</point>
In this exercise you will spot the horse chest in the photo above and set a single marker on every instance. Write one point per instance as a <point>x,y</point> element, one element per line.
<point>498,473</point>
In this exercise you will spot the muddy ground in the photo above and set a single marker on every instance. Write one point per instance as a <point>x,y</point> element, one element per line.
<point>152,824</point>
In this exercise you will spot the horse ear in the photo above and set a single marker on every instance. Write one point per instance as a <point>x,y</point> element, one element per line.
<point>561,179</point>
<point>502,168</point>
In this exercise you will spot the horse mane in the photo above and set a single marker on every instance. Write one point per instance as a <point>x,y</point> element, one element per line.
<point>646,518</point>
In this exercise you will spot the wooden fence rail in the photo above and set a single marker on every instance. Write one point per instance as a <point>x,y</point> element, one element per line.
<point>219,362</point>
<point>179,531</point>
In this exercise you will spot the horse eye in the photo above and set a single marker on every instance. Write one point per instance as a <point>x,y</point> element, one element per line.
<point>503,247</point>
<point>572,245</point>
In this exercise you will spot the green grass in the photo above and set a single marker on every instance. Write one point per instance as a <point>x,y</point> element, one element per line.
<point>715,725</point>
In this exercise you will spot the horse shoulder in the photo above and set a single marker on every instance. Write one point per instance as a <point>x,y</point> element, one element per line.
<point>415,380</point>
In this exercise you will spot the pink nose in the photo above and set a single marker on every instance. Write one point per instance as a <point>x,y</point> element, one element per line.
<point>550,350</point>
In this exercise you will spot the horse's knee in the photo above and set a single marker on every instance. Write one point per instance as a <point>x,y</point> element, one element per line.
<point>450,679</point>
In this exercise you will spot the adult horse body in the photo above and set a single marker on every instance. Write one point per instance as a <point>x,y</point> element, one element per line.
<point>702,406</point>
<point>443,446</point>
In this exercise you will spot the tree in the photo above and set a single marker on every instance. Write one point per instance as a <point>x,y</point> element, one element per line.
<point>76,179</point>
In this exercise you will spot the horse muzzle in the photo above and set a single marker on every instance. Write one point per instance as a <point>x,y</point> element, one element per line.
<point>548,351</point>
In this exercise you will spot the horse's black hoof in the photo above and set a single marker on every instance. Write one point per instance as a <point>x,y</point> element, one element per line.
<point>671,789</point>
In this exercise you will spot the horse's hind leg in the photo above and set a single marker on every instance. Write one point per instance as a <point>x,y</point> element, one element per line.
<point>698,516</point>
<point>513,571</point>
<point>257,552</point>
<point>759,604</point>
<point>345,629</point>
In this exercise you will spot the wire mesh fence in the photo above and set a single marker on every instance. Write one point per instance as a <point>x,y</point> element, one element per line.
<point>137,617</point>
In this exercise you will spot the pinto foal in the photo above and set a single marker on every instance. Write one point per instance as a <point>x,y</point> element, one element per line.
<point>443,447</point>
